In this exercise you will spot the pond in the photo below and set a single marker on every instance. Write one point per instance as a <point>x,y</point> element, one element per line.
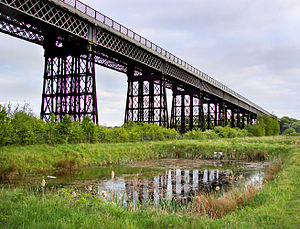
<point>156,180</point>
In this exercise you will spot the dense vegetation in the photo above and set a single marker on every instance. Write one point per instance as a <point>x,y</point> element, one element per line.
<point>290,126</point>
<point>275,206</point>
<point>19,126</point>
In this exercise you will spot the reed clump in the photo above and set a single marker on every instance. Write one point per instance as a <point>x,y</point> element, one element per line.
<point>217,207</point>
<point>67,163</point>
<point>272,170</point>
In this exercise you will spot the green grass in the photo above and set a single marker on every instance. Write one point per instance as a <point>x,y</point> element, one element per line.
<point>21,160</point>
<point>275,206</point>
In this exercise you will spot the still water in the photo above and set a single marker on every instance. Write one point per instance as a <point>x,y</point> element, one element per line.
<point>155,180</point>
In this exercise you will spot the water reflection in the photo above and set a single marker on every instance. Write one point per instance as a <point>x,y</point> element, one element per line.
<point>173,184</point>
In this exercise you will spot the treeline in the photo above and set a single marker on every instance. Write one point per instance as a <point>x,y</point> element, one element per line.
<point>265,126</point>
<point>290,126</point>
<point>19,126</point>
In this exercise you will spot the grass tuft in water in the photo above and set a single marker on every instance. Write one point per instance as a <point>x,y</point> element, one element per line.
<point>216,207</point>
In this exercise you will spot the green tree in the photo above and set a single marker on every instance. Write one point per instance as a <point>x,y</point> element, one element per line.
<point>51,130</point>
<point>289,131</point>
<point>5,127</point>
<point>296,126</point>
<point>286,122</point>
<point>64,129</point>
<point>89,130</point>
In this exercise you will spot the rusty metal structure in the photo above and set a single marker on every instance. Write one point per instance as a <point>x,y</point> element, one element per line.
<point>75,37</point>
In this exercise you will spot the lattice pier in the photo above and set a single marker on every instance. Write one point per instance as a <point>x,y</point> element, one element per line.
<point>146,99</point>
<point>187,110</point>
<point>69,83</point>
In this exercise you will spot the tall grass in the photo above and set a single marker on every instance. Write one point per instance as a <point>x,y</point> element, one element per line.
<point>21,160</point>
<point>272,170</point>
<point>216,207</point>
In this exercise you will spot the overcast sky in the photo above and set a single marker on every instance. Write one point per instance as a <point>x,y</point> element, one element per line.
<point>251,46</point>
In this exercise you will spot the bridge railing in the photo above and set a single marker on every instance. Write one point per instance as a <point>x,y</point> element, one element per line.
<point>128,32</point>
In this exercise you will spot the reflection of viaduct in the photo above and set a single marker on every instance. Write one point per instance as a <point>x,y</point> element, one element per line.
<point>75,37</point>
<point>177,183</point>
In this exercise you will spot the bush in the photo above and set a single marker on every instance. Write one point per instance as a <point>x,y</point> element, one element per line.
<point>132,132</point>
<point>195,134</point>
<point>228,132</point>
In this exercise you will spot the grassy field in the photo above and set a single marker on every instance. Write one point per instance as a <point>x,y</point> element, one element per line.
<point>275,206</point>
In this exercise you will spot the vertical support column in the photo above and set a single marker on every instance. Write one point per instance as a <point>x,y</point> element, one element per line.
<point>255,119</point>
<point>141,101</point>
<point>221,114</point>
<point>201,113</point>
<point>178,109</point>
<point>208,116</point>
<point>243,120</point>
<point>232,117</point>
<point>146,99</point>
<point>216,114</point>
<point>191,124</point>
<point>69,86</point>
<point>238,120</point>
<point>132,99</point>
<point>248,118</point>
<point>182,113</point>
<point>151,102</point>
<point>225,116</point>
<point>161,105</point>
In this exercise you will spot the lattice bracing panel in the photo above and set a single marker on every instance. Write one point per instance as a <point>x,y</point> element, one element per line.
<point>19,29</point>
<point>121,46</point>
<point>51,14</point>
